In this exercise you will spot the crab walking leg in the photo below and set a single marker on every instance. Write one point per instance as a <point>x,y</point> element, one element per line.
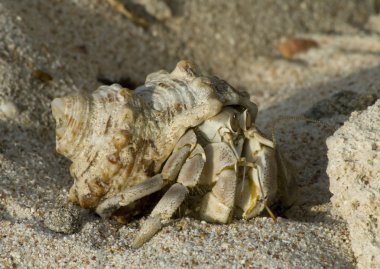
<point>188,177</point>
<point>110,205</point>
<point>217,205</point>
<point>192,169</point>
<point>220,169</point>
<point>169,172</point>
<point>177,159</point>
<point>163,211</point>
<point>225,143</point>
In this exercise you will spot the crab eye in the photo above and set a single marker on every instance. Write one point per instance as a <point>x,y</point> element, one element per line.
<point>245,120</point>
<point>234,123</point>
<point>248,119</point>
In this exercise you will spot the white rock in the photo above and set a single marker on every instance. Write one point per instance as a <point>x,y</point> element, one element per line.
<point>354,171</point>
<point>8,109</point>
<point>156,8</point>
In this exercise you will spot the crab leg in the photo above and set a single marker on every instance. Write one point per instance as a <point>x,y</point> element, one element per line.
<point>181,152</point>
<point>217,205</point>
<point>192,169</point>
<point>223,150</point>
<point>110,205</point>
<point>162,212</point>
<point>188,177</point>
<point>170,171</point>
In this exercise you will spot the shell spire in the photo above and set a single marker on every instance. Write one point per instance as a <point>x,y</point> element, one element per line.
<point>70,114</point>
<point>93,131</point>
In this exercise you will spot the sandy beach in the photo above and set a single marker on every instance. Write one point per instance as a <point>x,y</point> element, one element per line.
<point>50,49</point>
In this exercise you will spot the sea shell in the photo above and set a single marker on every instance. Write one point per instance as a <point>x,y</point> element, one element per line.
<point>117,138</point>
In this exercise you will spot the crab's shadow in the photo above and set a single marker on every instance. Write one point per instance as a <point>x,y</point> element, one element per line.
<point>304,144</point>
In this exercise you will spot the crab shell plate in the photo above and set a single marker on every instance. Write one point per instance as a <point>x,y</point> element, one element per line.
<point>117,138</point>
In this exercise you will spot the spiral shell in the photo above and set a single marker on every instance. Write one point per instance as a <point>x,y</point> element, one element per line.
<point>116,138</point>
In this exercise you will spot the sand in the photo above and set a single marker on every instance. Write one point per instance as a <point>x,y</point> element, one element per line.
<point>52,48</point>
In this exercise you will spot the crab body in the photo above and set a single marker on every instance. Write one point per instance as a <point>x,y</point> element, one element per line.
<point>180,131</point>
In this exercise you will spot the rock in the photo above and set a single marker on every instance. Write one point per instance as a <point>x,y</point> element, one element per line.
<point>292,46</point>
<point>157,8</point>
<point>8,109</point>
<point>354,171</point>
<point>63,220</point>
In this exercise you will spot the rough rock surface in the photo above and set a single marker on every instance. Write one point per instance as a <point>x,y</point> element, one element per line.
<point>52,48</point>
<point>63,220</point>
<point>354,171</point>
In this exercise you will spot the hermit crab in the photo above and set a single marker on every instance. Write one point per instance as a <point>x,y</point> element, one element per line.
<point>188,136</point>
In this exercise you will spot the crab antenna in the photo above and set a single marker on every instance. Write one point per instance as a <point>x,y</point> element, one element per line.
<point>244,172</point>
<point>271,214</point>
